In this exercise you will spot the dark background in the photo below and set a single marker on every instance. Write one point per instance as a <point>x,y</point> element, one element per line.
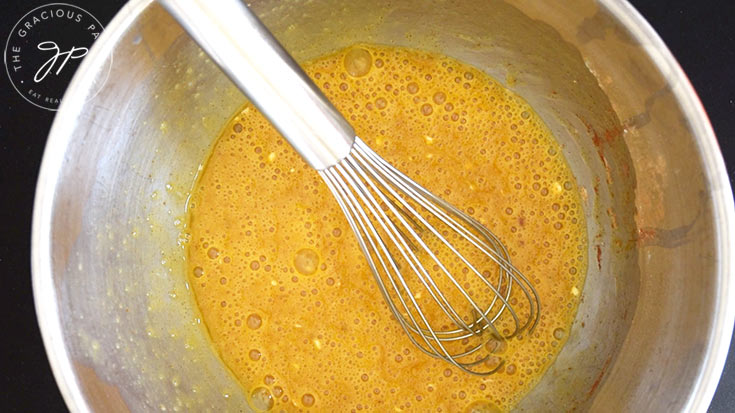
<point>701,34</point>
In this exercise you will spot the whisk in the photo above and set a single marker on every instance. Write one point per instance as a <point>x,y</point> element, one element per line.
<point>448,281</point>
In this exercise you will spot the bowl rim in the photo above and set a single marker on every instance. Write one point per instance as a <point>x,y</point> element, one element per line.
<point>718,341</point>
<point>46,300</point>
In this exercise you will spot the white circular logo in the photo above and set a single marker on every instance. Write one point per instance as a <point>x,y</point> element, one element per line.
<point>45,48</point>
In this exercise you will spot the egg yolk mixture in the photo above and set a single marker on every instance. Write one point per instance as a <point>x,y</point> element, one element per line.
<point>283,288</point>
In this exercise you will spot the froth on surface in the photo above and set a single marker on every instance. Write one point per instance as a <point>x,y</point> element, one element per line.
<point>286,295</point>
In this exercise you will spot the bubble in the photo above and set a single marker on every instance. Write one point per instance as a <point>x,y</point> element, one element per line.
<point>447,372</point>
<point>439,98</point>
<point>237,128</point>
<point>358,62</point>
<point>493,362</point>
<point>308,400</point>
<point>426,109</point>
<point>482,406</point>
<point>525,115</point>
<point>559,333</point>
<point>364,377</point>
<point>336,232</point>
<point>277,391</point>
<point>254,321</point>
<point>268,380</point>
<point>496,345</point>
<point>198,271</point>
<point>262,399</point>
<point>381,103</point>
<point>254,355</point>
<point>306,261</point>
<point>213,253</point>
<point>511,369</point>
<point>412,88</point>
<point>254,265</point>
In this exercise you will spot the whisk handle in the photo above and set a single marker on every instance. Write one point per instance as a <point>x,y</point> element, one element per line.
<point>266,73</point>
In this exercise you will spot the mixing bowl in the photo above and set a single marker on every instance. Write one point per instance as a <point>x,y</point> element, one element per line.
<point>120,325</point>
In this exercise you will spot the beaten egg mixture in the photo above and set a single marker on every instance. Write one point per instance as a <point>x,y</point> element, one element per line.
<point>287,297</point>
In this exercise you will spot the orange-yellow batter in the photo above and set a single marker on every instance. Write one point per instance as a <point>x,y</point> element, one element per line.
<point>288,299</point>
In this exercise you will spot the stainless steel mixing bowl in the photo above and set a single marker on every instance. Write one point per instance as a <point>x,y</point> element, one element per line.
<point>120,325</point>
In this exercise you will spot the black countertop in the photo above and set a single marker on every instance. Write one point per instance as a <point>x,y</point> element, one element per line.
<point>700,34</point>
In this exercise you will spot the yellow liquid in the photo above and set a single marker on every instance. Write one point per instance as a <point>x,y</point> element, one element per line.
<point>283,288</point>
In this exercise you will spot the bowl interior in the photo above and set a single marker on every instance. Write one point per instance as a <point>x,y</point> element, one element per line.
<point>119,321</point>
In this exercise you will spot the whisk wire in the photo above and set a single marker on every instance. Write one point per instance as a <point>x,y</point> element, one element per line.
<point>381,205</point>
<point>336,181</point>
<point>420,193</point>
<point>337,186</point>
<point>430,334</point>
<point>392,231</point>
<point>426,279</point>
<point>474,240</point>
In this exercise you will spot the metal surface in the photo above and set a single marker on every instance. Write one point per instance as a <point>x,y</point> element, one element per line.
<point>249,54</point>
<point>652,332</point>
<point>397,221</point>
